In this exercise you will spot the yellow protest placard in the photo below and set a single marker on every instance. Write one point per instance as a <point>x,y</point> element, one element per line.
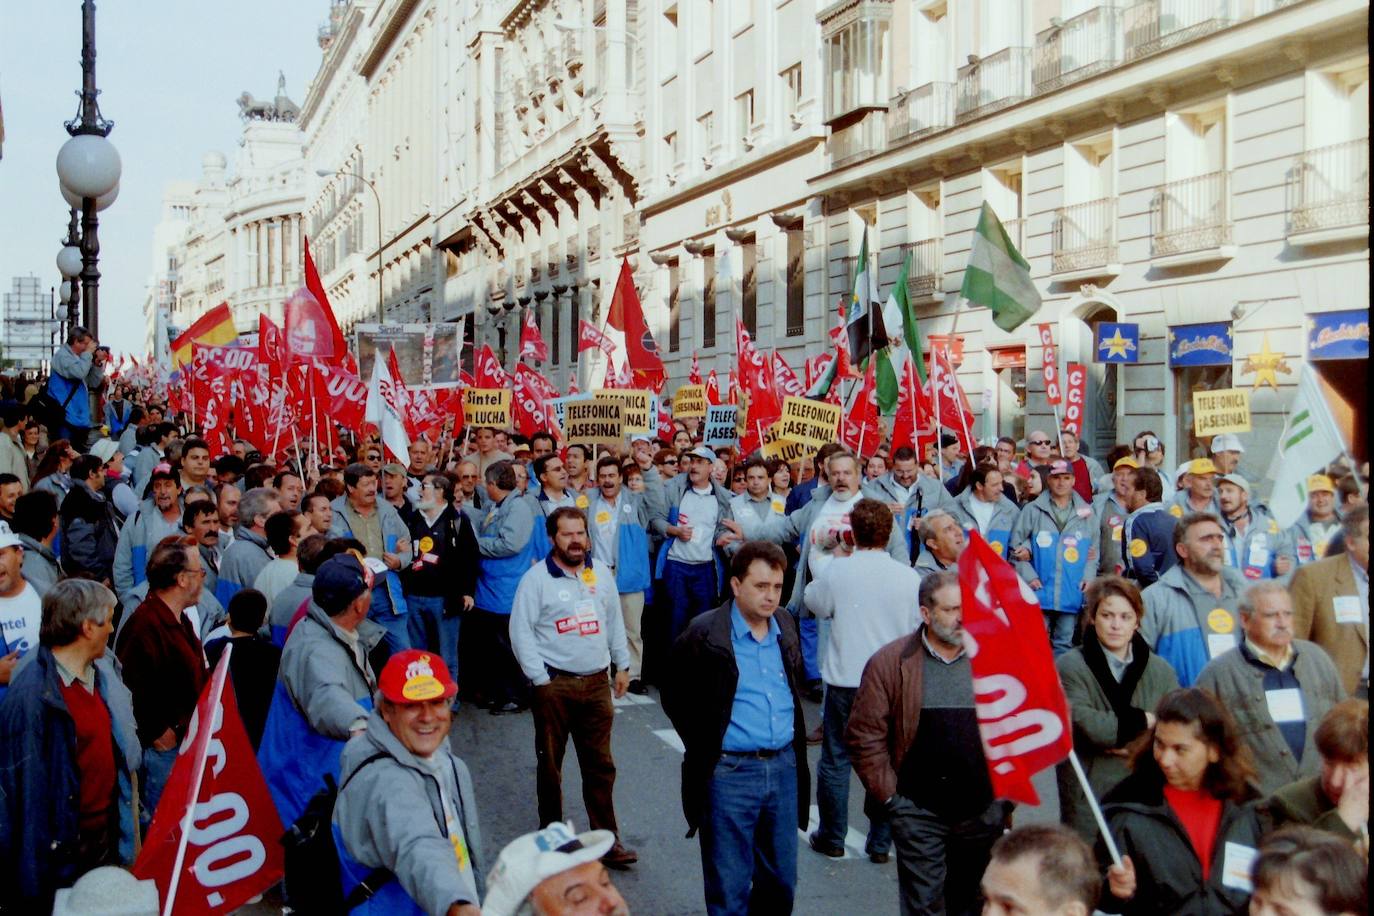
<point>487,407</point>
<point>805,420</point>
<point>1225,410</point>
<point>774,446</point>
<point>638,408</point>
<point>689,401</point>
<point>598,421</point>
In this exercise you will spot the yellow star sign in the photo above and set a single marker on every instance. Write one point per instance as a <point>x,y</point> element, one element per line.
<point>1117,345</point>
<point>1265,365</point>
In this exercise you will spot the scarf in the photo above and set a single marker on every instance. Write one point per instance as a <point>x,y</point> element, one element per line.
<point>1130,720</point>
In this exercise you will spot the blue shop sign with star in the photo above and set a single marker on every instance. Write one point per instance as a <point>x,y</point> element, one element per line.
<point>1338,335</point>
<point>1115,342</point>
<point>1200,344</point>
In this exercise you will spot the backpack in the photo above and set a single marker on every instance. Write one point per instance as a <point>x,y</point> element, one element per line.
<point>47,410</point>
<point>314,879</point>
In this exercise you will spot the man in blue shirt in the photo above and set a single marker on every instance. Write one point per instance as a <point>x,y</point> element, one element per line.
<point>732,695</point>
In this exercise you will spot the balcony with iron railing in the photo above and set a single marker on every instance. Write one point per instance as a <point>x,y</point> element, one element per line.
<point>1085,45</point>
<point>925,281</point>
<point>859,140</point>
<point>993,83</point>
<point>1084,239</point>
<point>1191,220</point>
<point>921,111</point>
<point>1157,25</point>
<point>1330,193</point>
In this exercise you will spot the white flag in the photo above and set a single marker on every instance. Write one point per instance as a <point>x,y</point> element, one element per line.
<point>1311,440</point>
<point>383,409</point>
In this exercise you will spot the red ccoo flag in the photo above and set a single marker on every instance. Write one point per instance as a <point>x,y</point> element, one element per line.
<point>1023,716</point>
<point>627,316</point>
<point>694,376</point>
<point>532,344</point>
<point>312,283</point>
<point>590,338</point>
<point>214,843</point>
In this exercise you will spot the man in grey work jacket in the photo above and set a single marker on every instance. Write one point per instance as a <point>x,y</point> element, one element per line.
<point>376,523</point>
<point>566,629</point>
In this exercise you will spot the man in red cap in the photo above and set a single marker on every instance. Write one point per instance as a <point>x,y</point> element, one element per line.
<point>390,776</point>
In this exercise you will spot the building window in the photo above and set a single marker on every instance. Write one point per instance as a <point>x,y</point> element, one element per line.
<point>702,22</point>
<point>791,89</point>
<point>674,307</point>
<point>705,133</point>
<point>796,283</point>
<point>574,319</point>
<point>744,117</point>
<point>749,289</point>
<point>1187,380</point>
<point>855,55</point>
<point>1002,188</point>
<point>670,147</point>
<point>708,299</point>
<point>555,326</point>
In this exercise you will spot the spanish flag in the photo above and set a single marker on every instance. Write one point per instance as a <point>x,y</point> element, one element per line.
<point>214,328</point>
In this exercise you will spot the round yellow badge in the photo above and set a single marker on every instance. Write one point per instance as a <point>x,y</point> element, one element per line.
<point>1273,527</point>
<point>589,576</point>
<point>997,547</point>
<point>1221,621</point>
<point>1139,548</point>
<point>1176,511</point>
<point>1070,554</point>
<point>426,544</point>
<point>581,501</point>
<point>603,517</point>
<point>779,506</point>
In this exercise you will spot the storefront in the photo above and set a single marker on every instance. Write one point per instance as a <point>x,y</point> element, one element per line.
<point>1200,359</point>
<point>1338,348</point>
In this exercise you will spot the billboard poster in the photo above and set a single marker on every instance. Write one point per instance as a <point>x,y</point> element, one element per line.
<point>429,354</point>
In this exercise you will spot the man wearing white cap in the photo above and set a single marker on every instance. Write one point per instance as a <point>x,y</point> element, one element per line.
<point>554,872</point>
<point>1254,542</point>
<point>1226,451</point>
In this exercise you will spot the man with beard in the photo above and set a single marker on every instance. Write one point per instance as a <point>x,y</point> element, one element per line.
<point>156,518</point>
<point>566,629</point>
<point>931,777</point>
<point>442,579</point>
<point>1191,612</point>
<point>1254,542</point>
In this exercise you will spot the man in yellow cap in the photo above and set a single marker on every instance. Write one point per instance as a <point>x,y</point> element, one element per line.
<point>1319,523</point>
<point>1110,508</point>
<point>1200,495</point>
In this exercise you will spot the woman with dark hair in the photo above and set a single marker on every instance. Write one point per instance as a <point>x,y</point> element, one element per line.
<point>53,468</point>
<point>1111,681</point>
<point>1185,819</point>
<point>780,477</point>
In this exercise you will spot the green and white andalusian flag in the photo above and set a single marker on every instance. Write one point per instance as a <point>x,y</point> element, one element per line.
<point>1311,440</point>
<point>899,320</point>
<point>863,321</point>
<point>997,276</point>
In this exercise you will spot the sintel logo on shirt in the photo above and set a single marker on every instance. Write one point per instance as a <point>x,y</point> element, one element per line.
<point>1220,620</point>
<point>426,544</point>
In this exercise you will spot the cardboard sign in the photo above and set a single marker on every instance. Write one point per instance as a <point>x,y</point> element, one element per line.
<point>689,401</point>
<point>554,408</point>
<point>720,429</point>
<point>597,421</point>
<point>487,407</point>
<point>787,450</point>
<point>639,415</point>
<point>1226,410</point>
<point>812,422</point>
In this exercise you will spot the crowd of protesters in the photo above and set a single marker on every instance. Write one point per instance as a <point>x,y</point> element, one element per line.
<point>1216,665</point>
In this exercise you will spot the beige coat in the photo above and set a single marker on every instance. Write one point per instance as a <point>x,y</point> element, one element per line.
<point>1315,589</point>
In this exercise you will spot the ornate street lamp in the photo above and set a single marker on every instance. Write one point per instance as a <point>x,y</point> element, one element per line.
<point>88,167</point>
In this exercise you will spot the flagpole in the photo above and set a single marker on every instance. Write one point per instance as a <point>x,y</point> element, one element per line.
<point>188,818</point>
<point>1096,809</point>
<point>935,393</point>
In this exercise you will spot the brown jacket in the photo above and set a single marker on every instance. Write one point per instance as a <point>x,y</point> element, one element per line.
<point>1315,589</point>
<point>887,706</point>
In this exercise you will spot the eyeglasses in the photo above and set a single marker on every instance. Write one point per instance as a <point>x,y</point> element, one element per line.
<point>1040,442</point>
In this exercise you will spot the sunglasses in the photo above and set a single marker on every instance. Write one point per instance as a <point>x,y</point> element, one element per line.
<point>1041,442</point>
<point>670,461</point>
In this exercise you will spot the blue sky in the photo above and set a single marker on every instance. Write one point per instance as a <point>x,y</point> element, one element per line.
<point>169,72</point>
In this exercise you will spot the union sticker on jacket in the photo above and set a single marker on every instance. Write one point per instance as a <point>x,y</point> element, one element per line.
<point>582,622</point>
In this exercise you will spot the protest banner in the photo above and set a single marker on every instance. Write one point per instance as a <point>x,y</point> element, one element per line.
<point>689,402</point>
<point>720,428</point>
<point>808,421</point>
<point>1225,410</point>
<point>487,407</point>
<point>428,354</point>
<point>594,421</point>
<point>1075,394</point>
<point>787,450</point>
<point>639,416</point>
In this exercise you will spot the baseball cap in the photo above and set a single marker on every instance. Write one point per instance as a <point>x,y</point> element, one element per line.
<point>7,537</point>
<point>1227,442</point>
<point>339,580</point>
<point>104,449</point>
<point>528,860</point>
<point>1201,466</point>
<point>1237,480</point>
<point>1319,482</point>
<point>641,437</point>
<point>414,676</point>
<point>1060,466</point>
<point>703,452</point>
<point>163,471</point>
<point>1126,462</point>
<point>396,470</point>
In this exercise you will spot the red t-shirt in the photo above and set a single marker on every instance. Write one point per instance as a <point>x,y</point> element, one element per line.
<point>1200,813</point>
<point>95,762</point>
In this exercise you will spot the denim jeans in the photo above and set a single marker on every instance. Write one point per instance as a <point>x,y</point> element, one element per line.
<point>157,766</point>
<point>431,630</point>
<point>1060,625</point>
<point>749,836</point>
<point>832,776</point>
<point>940,861</point>
<point>396,625</point>
<point>810,631</point>
<point>691,589</point>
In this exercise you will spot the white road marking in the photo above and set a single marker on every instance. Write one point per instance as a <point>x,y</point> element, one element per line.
<point>670,737</point>
<point>853,840</point>
<point>634,699</point>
